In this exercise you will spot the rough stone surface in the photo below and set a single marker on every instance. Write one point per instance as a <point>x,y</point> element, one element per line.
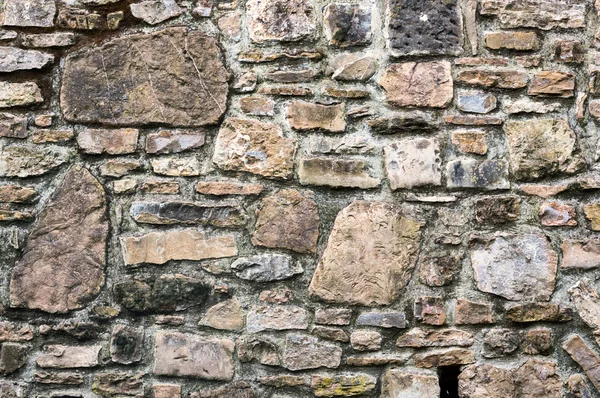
<point>15,59</point>
<point>226,315</point>
<point>552,84</point>
<point>304,115</point>
<point>63,357</point>
<point>281,20</point>
<point>347,24</point>
<point>473,173</point>
<point>580,254</point>
<point>155,11</point>
<point>337,173</point>
<point>28,13</point>
<point>19,94</point>
<point>409,383</point>
<point>306,352</point>
<point>218,215</point>
<point>352,67</point>
<point>342,386</point>
<point>413,163</point>
<point>545,14</point>
<point>174,141</point>
<point>266,267</point>
<point>112,142</point>
<point>276,318</point>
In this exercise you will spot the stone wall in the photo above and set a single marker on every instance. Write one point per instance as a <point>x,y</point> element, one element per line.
<point>298,198</point>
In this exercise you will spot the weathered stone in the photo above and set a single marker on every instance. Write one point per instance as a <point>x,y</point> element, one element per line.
<point>424,27</point>
<point>498,210</point>
<point>375,359</point>
<point>167,293</point>
<point>30,160</point>
<point>430,310</point>
<point>222,188</point>
<point>281,20</point>
<point>237,389</point>
<point>585,357</point>
<point>335,334</point>
<point>283,381</point>
<point>476,103</point>
<point>10,215</point>
<point>424,84</point>
<point>13,126</point>
<point>188,355</point>
<point>522,41</point>
<point>444,357</point>
<point>544,14</point>
<point>167,391</point>
<point>397,383</point>
<point>16,194</point>
<point>51,136</point>
<point>485,61</point>
<point>28,13</point>
<point>286,91</point>
<point>333,316</point>
<point>187,244</point>
<point>418,338</point>
<point>494,78</point>
<point>45,40</point>
<point>124,186</point>
<point>69,240</point>
<point>337,92</point>
<point>439,270</point>
<point>468,120</point>
<point>587,303</point>
<point>352,67</point>
<point>170,320</point>
<point>218,215</point>
<point>138,88</point>
<point>304,115</point>
<point>473,173</point>
<point>15,59</point>
<point>579,254</point>
<point>259,56</point>
<point>541,147</point>
<point>413,163</point>
<point>552,84</point>
<point>470,141</point>
<point>112,142</point>
<point>306,352</point>
<point>19,94</point>
<point>8,34</point>
<point>279,317</point>
<point>343,385</point>
<point>226,315</point>
<point>569,51</point>
<point>10,331</point>
<point>288,219</point>
<point>12,357</point>
<point>537,341</point>
<point>592,213</point>
<point>256,147</point>
<point>336,172</point>
<point>266,267</point>
<point>578,387</point>
<point>346,145</point>
<point>45,377</point>
<point>556,214</point>
<point>365,340</point>
<point>160,187</point>
<point>126,344</point>
<point>276,296</point>
<point>539,312</point>
<point>176,167</point>
<point>501,269</point>
<point>372,276</point>
<point>291,75</point>
<point>486,381</point>
<point>543,191</point>
<point>347,24</point>
<point>118,168</point>
<point>498,343</point>
<point>119,384</point>
<point>525,105</point>
<point>166,141</point>
<point>155,11</point>
<point>257,106</point>
<point>258,349</point>
<point>62,356</point>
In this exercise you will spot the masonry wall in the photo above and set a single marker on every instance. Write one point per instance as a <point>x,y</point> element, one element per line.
<point>298,198</point>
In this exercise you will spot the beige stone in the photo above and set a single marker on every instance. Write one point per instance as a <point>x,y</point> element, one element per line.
<point>227,315</point>
<point>352,67</point>
<point>552,84</point>
<point>587,302</point>
<point>418,338</point>
<point>486,381</point>
<point>413,163</point>
<point>592,213</point>
<point>343,385</point>
<point>16,194</point>
<point>19,94</point>
<point>167,391</point>
<point>176,166</point>
<point>544,14</point>
<point>337,172</point>
<point>62,356</point>
<point>409,382</point>
<point>522,41</point>
<point>278,317</point>
<point>470,141</point>
<point>304,115</point>
<point>281,20</point>
<point>580,254</point>
<point>112,142</point>
<point>585,357</point>
<point>222,188</point>
<point>166,141</point>
<point>307,352</point>
<point>510,79</point>
<point>365,340</point>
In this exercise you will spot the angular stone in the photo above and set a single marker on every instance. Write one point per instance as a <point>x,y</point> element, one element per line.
<point>477,103</point>
<point>30,160</point>
<point>9,215</point>
<point>552,84</point>
<point>160,187</point>
<point>289,220</point>
<point>468,120</point>
<point>281,20</point>
<point>124,186</point>
<point>592,213</point>
<point>12,357</point>
<point>501,268</point>
<point>223,188</point>
<point>126,344</point>
<point>165,213</point>
<point>376,359</point>
<point>498,210</point>
<point>569,51</point>
<point>257,349</point>
<point>417,338</point>
<point>494,78</point>
<point>304,115</point>
<point>440,270</point>
<point>286,91</point>
<point>256,147</point>
<point>176,167</point>
<point>283,381</point>
<point>112,142</point>
<point>430,310</point>
<point>28,13</point>
<point>539,312</point>
<point>365,340</point>
<point>542,14</point>
<point>188,355</point>
<point>62,356</point>
<point>68,240</point>
<point>444,357</point>
<point>585,357</point>
<point>521,41</point>
<point>352,67</point>
<point>556,214</point>
<point>44,377</point>
<point>257,106</point>
<point>46,40</point>
<point>537,341</point>
<point>187,244</point>
<point>335,334</point>
<point>336,172</point>
<point>543,191</point>
<point>398,383</point>
<point>118,384</point>
<point>486,381</point>
<point>337,92</point>
<point>473,173</point>
<point>424,84</point>
<point>499,343</point>
<point>470,141</point>
<point>154,12</point>
<point>266,267</point>
<point>307,352</point>
<point>16,194</point>
<point>279,317</point>
<point>13,126</point>
<point>137,87</point>
<point>19,94</point>
<point>291,75</point>
<point>578,387</point>
<point>374,274</point>
<point>382,319</point>
<point>237,389</point>
<point>227,315</point>
<point>541,147</point>
<point>346,145</point>
<point>10,331</point>
<point>51,136</point>
<point>587,303</point>
<point>15,59</point>
<point>166,141</point>
<point>579,254</point>
<point>413,163</point>
<point>333,316</point>
<point>259,56</point>
<point>424,27</point>
<point>276,296</point>
<point>118,168</point>
<point>343,385</point>
<point>347,24</point>
<point>167,293</point>
<point>525,105</point>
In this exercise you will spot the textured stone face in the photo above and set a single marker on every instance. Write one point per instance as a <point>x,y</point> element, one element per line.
<point>28,13</point>
<point>344,386</point>
<point>156,11</point>
<point>29,160</point>
<point>544,14</point>
<point>347,24</point>
<point>307,352</point>
<point>373,246</point>
<point>188,213</point>
<point>304,115</point>
<point>340,172</point>
<point>69,240</point>
<point>19,94</point>
<point>281,20</point>
<point>473,173</point>
<point>266,267</point>
<point>14,59</point>
<point>426,27</point>
<point>413,163</point>
<point>63,357</point>
<point>409,383</point>
<point>112,142</point>
<point>140,89</point>
<point>279,317</point>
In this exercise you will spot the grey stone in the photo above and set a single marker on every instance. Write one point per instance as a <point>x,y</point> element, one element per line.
<point>477,103</point>
<point>126,344</point>
<point>352,67</point>
<point>499,343</point>
<point>382,319</point>
<point>400,383</point>
<point>257,349</point>
<point>13,126</point>
<point>12,357</point>
<point>473,173</point>
<point>8,34</point>
<point>28,13</point>
<point>542,14</point>
<point>14,59</point>
<point>266,267</point>
<point>337,172</point>
<point>307,352</point>
<point>280,20</point>
<point>219,215</point>
<point>174,141</point>
<point>43,40</point>
<point>347,24</point>
<point>278,317</point>
<point>154,12</point>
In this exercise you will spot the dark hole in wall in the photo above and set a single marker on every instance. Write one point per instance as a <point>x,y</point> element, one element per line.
<point>448,376</point>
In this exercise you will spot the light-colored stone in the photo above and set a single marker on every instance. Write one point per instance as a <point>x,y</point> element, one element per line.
<point>580,254</point>
<point>31,160</point>
<point>19,94</point>
<point>413,163</point>
<point>366,340</point>
<point>13,126</point>
<point>63,356</point>
<point>155,11</point>
<point>587,302</point>
<point>337,172</point>
<point>552,84</point>
<point>304,115</point>
<point>176,166</point>
<point>444,357</point>
<point>165,141</point>
<point>352,67</point>
<point>16,194</point>
<point>556,214</point>
<point>44,40</point>
<point>470,141</point>
<point>509,79</point>
<point>585,357</point>
<point>592,213</point>
<point>343,385</point>
<point>418,338</point>
<point>307,352</point>
<point>266,267</point>
<point>525,105</point>
<point>542,14</point>
<point>279,317</point>
<point>408,383</point>
<point>476,103</point>
<point>223,188</point>
<point>226,315</point>
<point>112,142</point>
<point>28,13</point>
<point>486,381</point>
<point>521,41</point>
<point>281,20</point>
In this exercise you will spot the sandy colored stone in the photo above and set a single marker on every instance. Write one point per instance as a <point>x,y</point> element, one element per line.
<point>366,340</point>
<point>581,353</point>
<point>470,141</point>
<point>69,240</point>
<point>418,338</point>
<point>302,352</point>
<point>138,86</point>
<point>288,219</point>
<point>543,191</point>
<point>118,384</point>
<point>444,357</point>
<point>15,59</point>
<point>13,126</point>
<point>281,20</point>
<point>509,79</point>
<point>329,333</point>
<point>256,147</point>
<point>544,14</point>
<point>500,342</point>
<point>45,40</point>
<point>352,67</point>
<point>578,387</point>
<point>118,168</point>
<point>583,254</point>
<point>592,214</point>
<point>155,11</point>
<point>539,312</point>
<point>167,390</point>
<point>52,136</point>
<point>257,106</point>
<point>333,316</point>
<point>526,105</point>
<point>16,194</point>
<point>112,142</point>
<point>337,172</point>
<point>31,160</point>
<point>160,187</point>
<point>521,41</point>
<point>63,356</point>
<point>188,355</point>
<point>424,84</point>
<point>222,188</point>
<point>373,246</point>
<point>173,166</point>
<point>277,317</point>
<point>552,84</point>
<point>186,244</point>
<point>166,141</point>
<point>587,303</point>
<point>343,385</point>
<point>556,214</point>
<point>227,315</point>
<point>19,94</point>
<point>413,163</point>
<point>304,115</point>
<point>409,383</point>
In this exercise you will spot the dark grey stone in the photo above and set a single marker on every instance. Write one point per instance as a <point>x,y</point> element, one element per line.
<point>347,24</point>
<point>188,213</point>
<point>472,173</point>
<point>382,319</point>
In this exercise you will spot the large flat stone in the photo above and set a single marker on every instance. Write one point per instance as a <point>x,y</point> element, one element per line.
<point>581,353</point>
<point>63,356</point>
<point>130,81</point>
<point>401,383</point>
<point>266,267</point>
<point>62,267</point>
<point>337,172</point>
<point>31,160</point>
<point>19,94</point>
<point>307,352</point>
<point>165,213</point>
<point>413,163</point>
<point>370,255</point>
<point>15,59</point>
<point>276,317</point>
<point>542,14</point>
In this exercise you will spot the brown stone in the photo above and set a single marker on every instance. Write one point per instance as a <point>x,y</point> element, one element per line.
<point>282,381</point>
<point>499,342</point>
<point>66,378</point>
<point>539,312</point>
<point>10,331</point>
<point>171,212</point>
<point>222,188</point>
<point>16,194</point>
<point>440,270</point>
<point>587,302</point>
<point>256,147</point>
<point>494,78</point>
<point>62,356</point>
<point>307,352</point>
<point>288,220</point>
<point>258,56</point>
<point>304,115</point>
<point>277,317</point>
<point>176,166</point>
<point>337,172</point>
<point>418,338</point>
<point>578,387</point>
<point>592,213</point>
<point>569,51</point>
<point>543,191</point>
<point>580,254</point>
<point>552,84</point>
<point>227,315</point>
<point>113,383</point>
<point>486,381</point>
<point>257,106</point>
<point>556,214</point>
<point>166,141</point>
<point>470,142</point>
<point>51,136</point>
<point>292,75</point>
<point>409,383</point>
<point>237,389</point>
<point>167,391</point>
<point>430,310</point>
<point>281,20</point>
<point>112,142</point>
<point>365,340</point>
<point>137,85</point>
<point>13,126</point>
<point>253,348</point>
<point>585,357</point>
<point>286,91</point>
<point>498,210</point>
<point>537,341</point>
<point>472,313</point>
<point>545,14</point>
<point>118,168</point>
<point>521,41</point>
<point>160,187</point>
<point>376,359</point>
<point>31,160</point>
<point>373,245</point>
<point>352,67</point>
<point>333,316</point>
<point>329,333</point>
<point>444,357</point>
